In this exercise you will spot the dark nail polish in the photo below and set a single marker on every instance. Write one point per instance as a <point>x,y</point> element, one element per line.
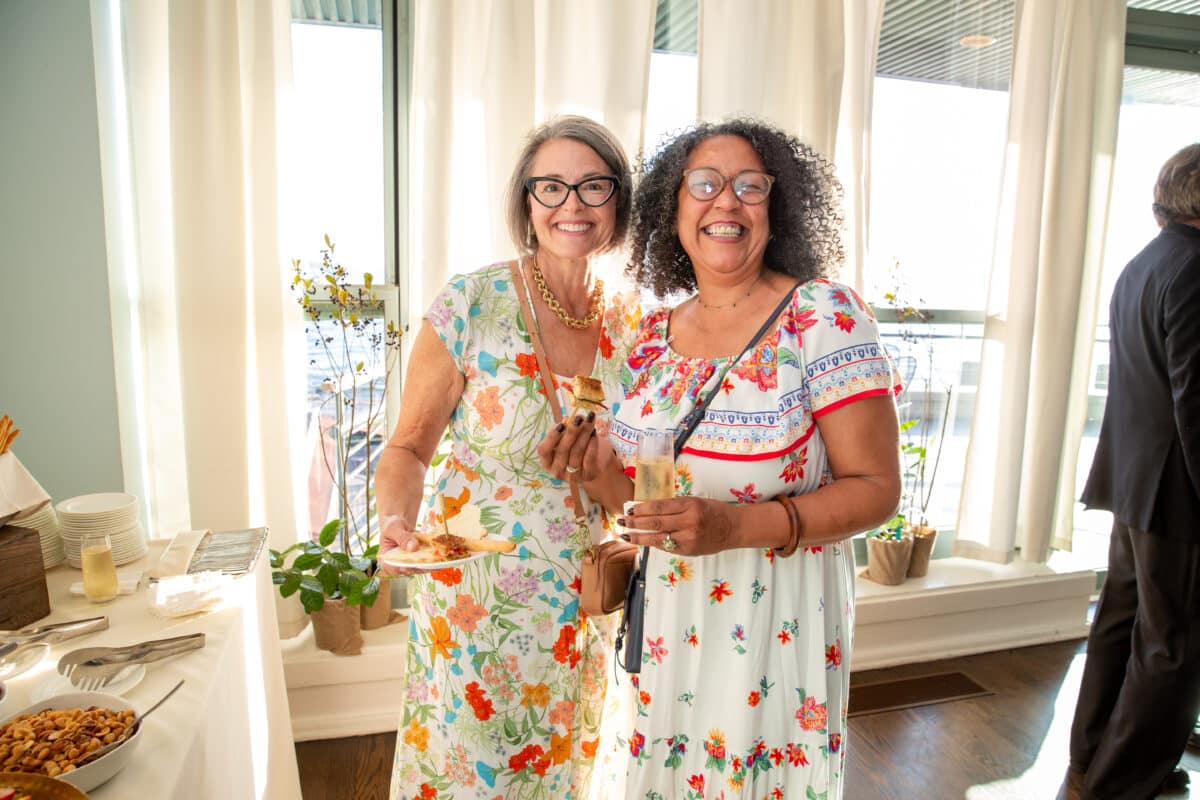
<point>591,417</point>
<point>622,522</point>
<point>562,426</point>
<point>624,537</point>
<point>578,421</point>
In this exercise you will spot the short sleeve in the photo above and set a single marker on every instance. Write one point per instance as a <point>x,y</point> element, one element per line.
<point>844,359</point>
<point>460,301</point>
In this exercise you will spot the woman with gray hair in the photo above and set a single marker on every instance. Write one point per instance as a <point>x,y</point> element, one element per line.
<point>1140,691</point>
<point>505,677</point>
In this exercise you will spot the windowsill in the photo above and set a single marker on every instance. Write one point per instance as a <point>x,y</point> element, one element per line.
<point>961,607</point>
<point>334,696</point>
<point>965,606</point>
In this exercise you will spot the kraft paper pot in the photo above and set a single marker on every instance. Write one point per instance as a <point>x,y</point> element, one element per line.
<point>887,559</point>
<point>337,628</point>
<point>924,538</point>
<point>376,616</point>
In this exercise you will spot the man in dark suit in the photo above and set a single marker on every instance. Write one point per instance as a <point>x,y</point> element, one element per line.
<point>1140,692</point>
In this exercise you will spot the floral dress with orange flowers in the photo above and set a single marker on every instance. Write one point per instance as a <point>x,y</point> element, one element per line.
<point>745,666</point>
<point>505,676</point>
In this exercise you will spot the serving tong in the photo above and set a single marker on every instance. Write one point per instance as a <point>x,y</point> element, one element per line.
<point>51,633</point>
<point>95,667</point>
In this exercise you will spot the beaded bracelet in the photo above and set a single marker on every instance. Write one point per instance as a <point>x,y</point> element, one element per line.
<point>794,525</point>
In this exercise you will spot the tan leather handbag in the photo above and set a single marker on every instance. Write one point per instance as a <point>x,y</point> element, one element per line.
<point>605,576</point>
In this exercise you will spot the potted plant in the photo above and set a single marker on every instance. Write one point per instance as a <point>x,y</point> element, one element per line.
<point>352,351</point>
<point>333,587</point>
<point>905,543</point>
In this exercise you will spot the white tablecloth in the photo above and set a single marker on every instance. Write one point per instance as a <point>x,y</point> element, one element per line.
<point>227,732</point>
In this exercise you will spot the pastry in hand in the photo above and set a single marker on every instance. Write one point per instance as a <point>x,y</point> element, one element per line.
<point>588,393</point>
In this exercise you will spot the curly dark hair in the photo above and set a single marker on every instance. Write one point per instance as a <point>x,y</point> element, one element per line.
<point>804,208</point>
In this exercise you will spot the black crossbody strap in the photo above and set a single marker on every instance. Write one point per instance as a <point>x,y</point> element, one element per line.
<point>632,620</point>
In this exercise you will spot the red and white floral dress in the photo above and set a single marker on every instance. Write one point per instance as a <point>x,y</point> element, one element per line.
<point>745,672</point>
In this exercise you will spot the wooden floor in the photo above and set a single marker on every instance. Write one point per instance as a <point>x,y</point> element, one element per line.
<point>1011,745</point>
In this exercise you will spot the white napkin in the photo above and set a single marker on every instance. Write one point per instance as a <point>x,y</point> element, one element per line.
<point>180,595</point>
<point>177,556</point>
<point>20,493</point>
<point>127,580</point>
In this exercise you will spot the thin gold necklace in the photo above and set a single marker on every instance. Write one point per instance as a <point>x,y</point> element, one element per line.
<point>735,302</point>
<point>595,309</point>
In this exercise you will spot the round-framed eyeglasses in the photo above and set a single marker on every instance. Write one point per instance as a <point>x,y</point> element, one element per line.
<point>552,192</point>
<point>750,186</point>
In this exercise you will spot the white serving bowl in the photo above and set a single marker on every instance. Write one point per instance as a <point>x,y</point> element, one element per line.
<point>89,776</point>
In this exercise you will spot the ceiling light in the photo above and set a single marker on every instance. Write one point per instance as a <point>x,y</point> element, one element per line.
<point>975,41</point>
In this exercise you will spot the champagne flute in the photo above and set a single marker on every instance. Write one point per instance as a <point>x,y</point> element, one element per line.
<point>655,465</point>
<point>99,570</point>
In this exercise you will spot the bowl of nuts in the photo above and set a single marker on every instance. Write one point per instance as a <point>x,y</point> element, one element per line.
<point>57,736</point>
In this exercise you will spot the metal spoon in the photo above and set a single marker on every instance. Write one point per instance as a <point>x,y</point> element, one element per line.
<point>129,731</point>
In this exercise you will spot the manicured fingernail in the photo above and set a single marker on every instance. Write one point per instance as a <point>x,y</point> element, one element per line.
<point>591,417</point>
<point>578,421</point>
<point>562,426</point>
<point>621,521</point>
<point>624,537</point>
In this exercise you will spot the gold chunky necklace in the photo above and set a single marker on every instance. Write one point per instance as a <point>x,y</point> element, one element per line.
<point>596,306</point>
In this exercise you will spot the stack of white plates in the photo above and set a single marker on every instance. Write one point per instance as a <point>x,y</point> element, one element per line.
<point>113,513</point>
<point>45,522</point>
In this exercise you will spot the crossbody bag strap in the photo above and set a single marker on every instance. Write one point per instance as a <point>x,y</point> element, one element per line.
<point>549,386</point>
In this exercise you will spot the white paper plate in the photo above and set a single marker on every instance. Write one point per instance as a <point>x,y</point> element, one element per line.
<point>23,659</point>
<point>396,558</point>
<point>56,684</point>
<point>96,504</point>
<point>79,527</point>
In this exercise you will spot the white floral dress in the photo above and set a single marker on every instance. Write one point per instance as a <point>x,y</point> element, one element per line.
<point>745,672</point>
<point>505,677</point>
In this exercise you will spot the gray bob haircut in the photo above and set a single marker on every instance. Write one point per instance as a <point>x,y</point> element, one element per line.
<point>1177,191</point>
<point>585,131</point>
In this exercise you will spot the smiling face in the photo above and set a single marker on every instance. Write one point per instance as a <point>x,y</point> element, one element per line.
<point>723,236</point>
<point>573,230</point>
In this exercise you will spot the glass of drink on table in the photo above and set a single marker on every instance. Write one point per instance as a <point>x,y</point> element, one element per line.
<point>655,477</point>
<point>99,571</point>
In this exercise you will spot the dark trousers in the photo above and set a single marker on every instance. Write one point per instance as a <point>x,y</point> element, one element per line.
<point>1140,692</point>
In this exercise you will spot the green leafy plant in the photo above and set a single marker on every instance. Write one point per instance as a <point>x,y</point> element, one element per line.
<point>920,440</point>
<point>353,352</point>
<point>319,572</point>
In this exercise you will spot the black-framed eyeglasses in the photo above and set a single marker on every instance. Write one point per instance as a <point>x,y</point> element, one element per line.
<point>750,186</point>
<point>552,193</point>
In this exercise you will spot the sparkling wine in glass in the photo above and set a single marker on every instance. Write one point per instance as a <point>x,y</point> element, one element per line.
<point>655,466</point>
<point>99,571</point>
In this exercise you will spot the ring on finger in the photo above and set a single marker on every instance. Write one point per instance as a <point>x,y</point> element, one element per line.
<point>572,469</point>
<point>668,543</point>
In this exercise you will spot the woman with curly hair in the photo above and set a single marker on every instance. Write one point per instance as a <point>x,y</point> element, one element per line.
<point>749,603</point>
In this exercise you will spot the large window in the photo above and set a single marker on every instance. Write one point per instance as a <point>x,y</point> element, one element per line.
<point>340,151</point>
<point>939,123</point>
<point>1160,113</point>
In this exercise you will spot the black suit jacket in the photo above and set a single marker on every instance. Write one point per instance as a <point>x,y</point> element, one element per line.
<point>1147,465</point>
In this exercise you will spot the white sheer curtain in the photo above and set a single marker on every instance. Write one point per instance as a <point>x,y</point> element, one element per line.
<point>204,327</point>
<point>1019,485</point>
<point>808,68</point>
<point>484,73</point>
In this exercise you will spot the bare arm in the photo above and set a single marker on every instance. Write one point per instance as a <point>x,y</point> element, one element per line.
<point>432,389</point>
<point>863,442</point>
